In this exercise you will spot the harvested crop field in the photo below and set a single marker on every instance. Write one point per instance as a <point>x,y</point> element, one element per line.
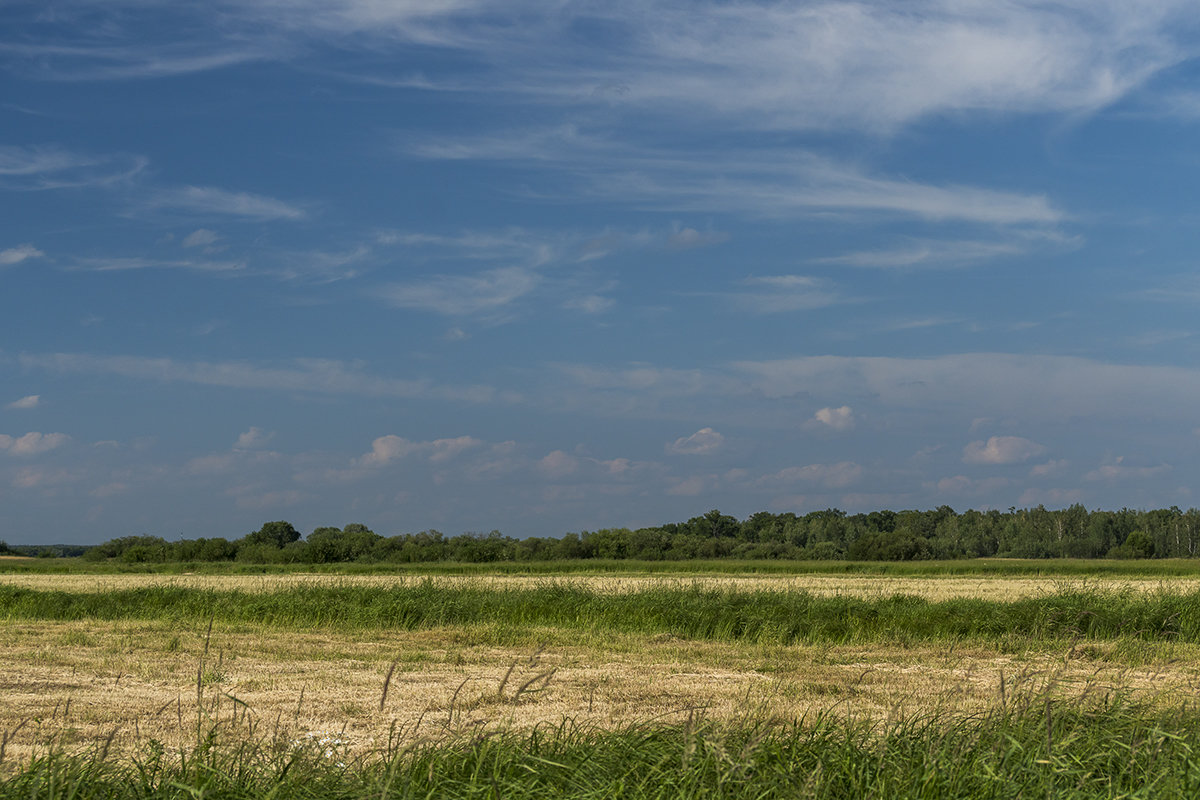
<point>362,668</point>
<point>997,588</point>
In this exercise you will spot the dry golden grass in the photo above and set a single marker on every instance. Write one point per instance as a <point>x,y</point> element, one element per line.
<point>933,588</point>
<point>77,683</point>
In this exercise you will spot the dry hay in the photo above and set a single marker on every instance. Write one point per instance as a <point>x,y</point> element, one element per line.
<point>995,588</point>
<point>78,684</point>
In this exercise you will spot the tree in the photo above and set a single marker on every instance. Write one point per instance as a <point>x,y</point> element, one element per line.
<point>274,534</point>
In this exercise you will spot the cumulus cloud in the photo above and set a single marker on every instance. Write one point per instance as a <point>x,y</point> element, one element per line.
<point>446,449</point>
<point>32,443</point>
<point>703,441</point>
<point>252,439</point>
<point>386,449</point>
<point>1001,450</point>
<point>690,238</point>
<point>15,255</point>
<point>202,237</point>
<point>30,401</point>
<point>839,419</point>
<point>558,464</point>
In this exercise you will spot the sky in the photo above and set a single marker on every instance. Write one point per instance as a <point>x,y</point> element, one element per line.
<point>558,266</point>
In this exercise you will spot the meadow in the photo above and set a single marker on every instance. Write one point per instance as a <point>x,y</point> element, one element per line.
<point>993,679</point>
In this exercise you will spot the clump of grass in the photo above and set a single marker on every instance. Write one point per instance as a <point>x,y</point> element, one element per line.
<point>1028,746</point>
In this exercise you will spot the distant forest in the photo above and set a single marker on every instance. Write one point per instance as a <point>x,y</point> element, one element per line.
<point>941,533</point>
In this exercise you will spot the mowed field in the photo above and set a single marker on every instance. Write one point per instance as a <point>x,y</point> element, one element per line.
<point>369,670</point>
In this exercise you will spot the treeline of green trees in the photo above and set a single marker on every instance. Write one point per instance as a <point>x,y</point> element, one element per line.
<point>43,550</point>
<point>941,533</point>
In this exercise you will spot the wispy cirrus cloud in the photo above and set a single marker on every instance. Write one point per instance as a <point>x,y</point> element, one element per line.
<point>777,294</point>
<point>321,376</point>
<point>206,201</point>
<point>45,167</point>
<point>763,182</point>
<point>457,295</point>
<point>15,255</point>
<point>967,385</point>
<point>122,264</point>
<point>873,66</point>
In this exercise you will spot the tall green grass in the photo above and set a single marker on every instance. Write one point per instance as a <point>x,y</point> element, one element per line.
<point>984,567</point>
<point>1035,748</point>
<point>690,612</point>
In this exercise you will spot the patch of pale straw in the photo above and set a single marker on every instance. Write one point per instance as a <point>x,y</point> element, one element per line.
<point>78,683</point>
<point>929,587</point>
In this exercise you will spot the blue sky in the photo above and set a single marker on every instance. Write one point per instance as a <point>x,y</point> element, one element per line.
<point>545,267</point>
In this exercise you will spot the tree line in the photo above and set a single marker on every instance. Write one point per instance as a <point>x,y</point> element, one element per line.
<point>831,534</point>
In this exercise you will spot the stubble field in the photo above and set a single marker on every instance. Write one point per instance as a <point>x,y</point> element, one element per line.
<point>615,684</point>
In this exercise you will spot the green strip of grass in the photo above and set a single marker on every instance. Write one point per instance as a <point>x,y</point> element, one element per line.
<point>982,567</point>
<point>1037,748</point>
<point>766,617</point>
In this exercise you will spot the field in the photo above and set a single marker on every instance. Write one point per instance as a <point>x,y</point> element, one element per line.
<point>926,681</point>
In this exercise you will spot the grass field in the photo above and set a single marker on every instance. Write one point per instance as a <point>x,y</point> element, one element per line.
<point>603,684</point>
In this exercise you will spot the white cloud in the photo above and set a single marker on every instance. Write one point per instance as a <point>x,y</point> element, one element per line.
<point>590,304</point>
<point>833,476</point>
<point>778,185</point>
<point>32,443</point>
<point>30,401</point>
<point>50,167</point>
<point>774,294</point>
<point>446,449</point>
<point>119,264</point>
<point>386,449</point>
<point>201,237</point>
<point>690,238</point>
<point>962,485</point>
<point>209,200</point>
<point>15,255</point>
<point>954,485</point>
<point>558,464</point>
<point>1116,470</point>
<point>929,253</point>
<point>458,295</point>
<point>872,66</point>
<point>1049,469</point>
<point>839,419</point>
<point>691,487</point>
<point>1001,450</point>
<point>253,439</point>
<point>322,376</point>
<point>702,442</point>
<point>982,384</point>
